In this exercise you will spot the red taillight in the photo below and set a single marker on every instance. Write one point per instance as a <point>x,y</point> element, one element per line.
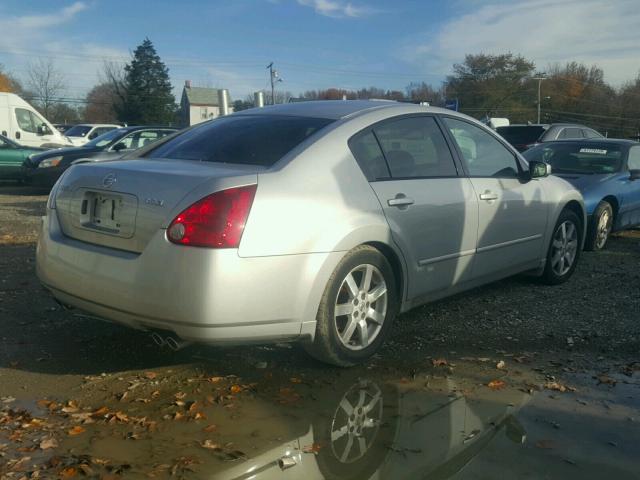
<point>216,221</point>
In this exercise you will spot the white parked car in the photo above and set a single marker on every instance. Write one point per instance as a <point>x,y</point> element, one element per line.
<point>85,132</point>
<point>20,122</point>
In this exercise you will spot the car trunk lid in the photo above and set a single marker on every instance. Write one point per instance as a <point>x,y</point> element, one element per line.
<point>123,204</point>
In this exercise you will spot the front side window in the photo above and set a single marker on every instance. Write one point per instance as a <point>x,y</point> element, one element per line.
<point>483,154</point>
<point>634,158</point>
<point>241,139</point>
<point>26,121</point>
<point>414,147</point>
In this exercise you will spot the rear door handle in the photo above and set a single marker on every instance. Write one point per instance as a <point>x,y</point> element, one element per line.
<point>401,200</point>
<point>488,195</point>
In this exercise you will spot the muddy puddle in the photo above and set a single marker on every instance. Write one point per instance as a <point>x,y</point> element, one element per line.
<point>184,422</point>
<point>464,419</point>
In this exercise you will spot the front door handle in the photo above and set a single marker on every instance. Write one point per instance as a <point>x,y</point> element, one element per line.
<point>488,195</point>
<point>401,200</point>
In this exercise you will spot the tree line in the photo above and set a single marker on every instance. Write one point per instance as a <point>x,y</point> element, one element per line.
<point>504,85</point>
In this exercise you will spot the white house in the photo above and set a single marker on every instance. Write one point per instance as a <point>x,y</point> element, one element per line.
<point>199,104</point>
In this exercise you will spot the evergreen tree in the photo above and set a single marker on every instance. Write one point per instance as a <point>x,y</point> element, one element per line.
<point>146,96</point>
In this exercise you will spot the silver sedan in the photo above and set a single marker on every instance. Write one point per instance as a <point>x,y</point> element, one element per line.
<point>316,222</point>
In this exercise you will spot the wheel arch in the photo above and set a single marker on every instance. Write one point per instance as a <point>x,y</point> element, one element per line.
<point>578,208</point>
<point>396,264</point>
<point>615,206</point>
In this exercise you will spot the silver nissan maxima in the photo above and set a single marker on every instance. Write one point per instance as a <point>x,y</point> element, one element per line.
<point>317,222</point>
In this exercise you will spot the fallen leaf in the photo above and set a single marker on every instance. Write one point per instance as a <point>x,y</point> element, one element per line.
<point>209,444</point>
<point>68,472</point>
<point>235,389</point>
<point>150,375</point>
<point>77,430</point>
<point>295,380</point>
<point>215,379</point>
<point>100,412</point>
<point>437,362</point>
<point>496,384</point>
<point>210,428</point>
<point>48,443</point>
<point>558,387</point>
<point>180,395</point>
<point>500,364</point>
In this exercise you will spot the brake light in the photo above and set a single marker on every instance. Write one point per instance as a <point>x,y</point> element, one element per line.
<point>215,221</point>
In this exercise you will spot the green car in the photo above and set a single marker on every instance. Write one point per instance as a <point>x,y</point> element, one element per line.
<point>11,157</point>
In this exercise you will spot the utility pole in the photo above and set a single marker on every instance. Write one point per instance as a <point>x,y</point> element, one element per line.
<point>539,78</point>
<point>273,76</point>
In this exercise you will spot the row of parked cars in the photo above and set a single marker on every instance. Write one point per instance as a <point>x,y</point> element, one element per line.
<point>43,166</point>
<point>319,222</point>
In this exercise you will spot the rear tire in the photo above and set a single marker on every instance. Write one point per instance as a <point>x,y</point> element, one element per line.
<point>564,249</point>
<point>600,227</point>
<point>357,309</point>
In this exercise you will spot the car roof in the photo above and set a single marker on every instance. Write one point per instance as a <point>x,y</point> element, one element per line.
<point>614,141</point>
<point>336,109</point>
<point>131,128</point>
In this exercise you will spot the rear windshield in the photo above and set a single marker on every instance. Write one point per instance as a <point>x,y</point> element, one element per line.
<point>242,139</point>
<point>523,135</point>
<point>78,131</point>
<point>580,157</point>
<point>106,138</point>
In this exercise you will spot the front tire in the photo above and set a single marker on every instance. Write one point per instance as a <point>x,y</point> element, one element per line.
<point>564,249</point>
<point>600,228</point>
<point>357,309</point>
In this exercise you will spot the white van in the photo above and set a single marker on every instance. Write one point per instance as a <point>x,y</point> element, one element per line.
<point>20,122</point>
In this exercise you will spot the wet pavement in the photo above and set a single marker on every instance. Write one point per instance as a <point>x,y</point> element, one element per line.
<point>513,380</point>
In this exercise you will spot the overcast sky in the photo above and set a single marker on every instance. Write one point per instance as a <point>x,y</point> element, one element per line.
<point>316,43</point>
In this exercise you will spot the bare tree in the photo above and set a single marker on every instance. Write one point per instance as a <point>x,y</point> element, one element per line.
<point>46,83</point>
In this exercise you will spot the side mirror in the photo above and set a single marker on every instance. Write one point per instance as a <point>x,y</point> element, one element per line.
<point>539,169</point>
<point>634,174</point>
<point>118,147</point>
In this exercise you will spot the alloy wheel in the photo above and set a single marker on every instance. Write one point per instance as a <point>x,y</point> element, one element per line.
<point>564,248</point>
<point>356,422</point>
<point>602,229</point>
<point>360,307</point>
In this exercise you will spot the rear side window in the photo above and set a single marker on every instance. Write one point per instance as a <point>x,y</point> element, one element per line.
<point>415,147</point>
<point>588,133</point>
<point>367,152</point>
<point>243,139</point>
<point>634,158</point>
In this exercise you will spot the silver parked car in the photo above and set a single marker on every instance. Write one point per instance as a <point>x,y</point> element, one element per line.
<point>316,221</point>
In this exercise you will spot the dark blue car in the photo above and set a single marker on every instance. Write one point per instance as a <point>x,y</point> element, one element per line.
<point>607,173</point>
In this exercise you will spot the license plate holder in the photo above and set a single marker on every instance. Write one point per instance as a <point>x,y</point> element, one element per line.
<point>111,213</point>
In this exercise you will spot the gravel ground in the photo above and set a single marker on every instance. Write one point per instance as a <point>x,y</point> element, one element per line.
<point>585,332</point>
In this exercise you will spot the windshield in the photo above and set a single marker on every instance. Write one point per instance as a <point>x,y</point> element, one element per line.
<point>523,135</point>
<point>584,158</point>
<point>78,131</point>
<point>243,139</point>
<point>106,138</point>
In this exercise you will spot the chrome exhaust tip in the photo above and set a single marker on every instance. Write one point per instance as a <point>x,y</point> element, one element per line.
<point>176,344</point>
<point>158,340</point>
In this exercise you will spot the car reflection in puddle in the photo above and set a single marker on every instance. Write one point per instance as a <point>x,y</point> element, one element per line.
<point>391,431</point>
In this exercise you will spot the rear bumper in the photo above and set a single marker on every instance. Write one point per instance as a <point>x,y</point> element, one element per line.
<point>204,295</point>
